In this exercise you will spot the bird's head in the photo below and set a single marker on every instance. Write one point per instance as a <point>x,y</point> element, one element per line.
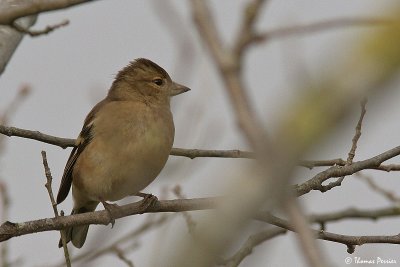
<point>144,80</point>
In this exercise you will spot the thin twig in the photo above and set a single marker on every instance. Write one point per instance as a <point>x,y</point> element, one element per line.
<point>320,26</point>
<point>354,213</point>
<point>353,148</point>
<point>310,164</point>
<point>350,213</point>
<point>357,135</point>
<point>49,179</point>
<point>315,183</point>
<point>247,248</point>
<point>5,205</point>
<point>35,33</point>
<point>196,153</point>
<point>191,224</point>
<point>11,108</point>
<point>148,225</point>
<point>389,195</point>
<point>348,240</point>
<point>121,255</point>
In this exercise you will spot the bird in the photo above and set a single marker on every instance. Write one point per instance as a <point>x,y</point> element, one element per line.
<point>124,143</point>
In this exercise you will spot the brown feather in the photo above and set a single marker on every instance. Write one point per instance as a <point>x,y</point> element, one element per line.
<point>83,140</point>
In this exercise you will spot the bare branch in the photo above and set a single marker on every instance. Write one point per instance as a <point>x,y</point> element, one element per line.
<point>228,65</point>
<point>12,107</point>
<point>321,163</point>
<point>310,164</point>
<point>372,163</point>
<point>353,148</point>
<point>33,7</point>
<point>49,182</point>
<point>5,206</point>
<point>196,153</point>
<point>191,224</point>
<point>247,33</point>
<point>121,255</point>
<point>9,38</point>
<point>67,142</point>
<point>54,205</point>
<point>353,213</point>
<point>247,248</point>
<point>38,136</point>
<point>315,183</point>
<point>320,26</point>
<point>389,195</point>
<point>357,134</point>
<point>9,230</point>
<point>347,240</point>
<point>35,33</point>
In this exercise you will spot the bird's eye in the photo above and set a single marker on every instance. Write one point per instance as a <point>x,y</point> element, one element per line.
<point>158,81</point>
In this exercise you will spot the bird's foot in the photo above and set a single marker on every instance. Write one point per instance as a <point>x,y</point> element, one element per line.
<point>112,210</point>
<point>148,201</point>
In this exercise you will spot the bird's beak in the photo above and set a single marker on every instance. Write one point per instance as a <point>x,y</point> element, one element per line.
<point>178,89</point>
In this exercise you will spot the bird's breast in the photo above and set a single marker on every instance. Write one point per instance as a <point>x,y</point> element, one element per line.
<point>127,152</point>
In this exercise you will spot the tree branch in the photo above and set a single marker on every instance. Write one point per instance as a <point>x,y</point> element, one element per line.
<point>34,33</point>
<point>49,181</point>
<point>9,38</point>
<point>9,230</point>
<point>315,183</point>
<point>67,142</point>
<point>354,213</point>
<point>33,7</point>
<point>352,152</point>
<point>38,136</point>
<point>229,65</point>
<point>319,26</point>
<point>189,153</point>
<point>196,153</point>
<point>347,240</point>
<point>247,248</point>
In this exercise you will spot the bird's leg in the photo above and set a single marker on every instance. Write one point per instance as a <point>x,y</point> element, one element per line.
<point>148,200</point>
<point>112,210</point>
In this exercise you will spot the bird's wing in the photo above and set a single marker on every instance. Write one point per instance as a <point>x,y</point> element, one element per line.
<point>83,140</point>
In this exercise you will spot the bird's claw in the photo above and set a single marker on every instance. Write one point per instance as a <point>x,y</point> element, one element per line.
<point>148,201</point>
<point>112,210</point>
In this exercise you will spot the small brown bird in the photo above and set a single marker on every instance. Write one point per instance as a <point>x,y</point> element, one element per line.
<point>124,143</point>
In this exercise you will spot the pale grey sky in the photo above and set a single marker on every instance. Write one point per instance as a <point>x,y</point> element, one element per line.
<point>71,69</point>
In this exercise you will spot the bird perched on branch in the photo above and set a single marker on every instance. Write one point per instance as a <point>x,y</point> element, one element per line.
<point>124,143</point>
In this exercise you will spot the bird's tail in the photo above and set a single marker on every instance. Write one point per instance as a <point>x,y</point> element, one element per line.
<point>77,234</point>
